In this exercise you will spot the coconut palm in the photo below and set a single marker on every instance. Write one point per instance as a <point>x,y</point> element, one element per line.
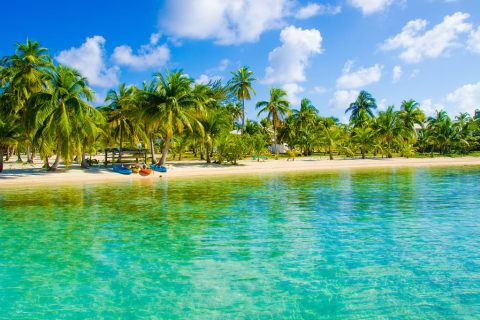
<point>330,134</point>
<point>364,105</point>
<point>9,129</point>
<point>389,128</point>
<point>364,138</point>
<point>215,124</point>
<point>276,108</point>
<point>411,114</point>
<point>241,87</point>
<point>174,107</point>
<point>119,113</point>
<point>61,114</point>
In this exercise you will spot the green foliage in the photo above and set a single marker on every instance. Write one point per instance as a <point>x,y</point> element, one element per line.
<point>232,147</point>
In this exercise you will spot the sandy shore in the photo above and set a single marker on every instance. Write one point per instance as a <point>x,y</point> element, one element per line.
<point>18,175</point>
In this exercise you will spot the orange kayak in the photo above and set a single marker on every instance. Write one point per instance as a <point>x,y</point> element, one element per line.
<point>145,172</point>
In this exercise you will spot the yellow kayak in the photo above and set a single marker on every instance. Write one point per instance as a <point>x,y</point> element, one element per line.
<point>135,169</point>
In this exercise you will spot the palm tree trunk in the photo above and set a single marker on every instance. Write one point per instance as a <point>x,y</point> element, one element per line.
<point>33,155</point>
<point>121,145</point>
<point>243,115</point>
<point>1,159</point>
<point>152,149</point>
<point>19,156</point>
<point>57,161</point>
<point>275,138</point>
<point>208,154</point>
<point>165,151</point>
<point>330,152</point>
<point>202,157</point>
<point>363,153</point>
<point>28,154</point>
<point>46,164</point>
<point>84,161</point>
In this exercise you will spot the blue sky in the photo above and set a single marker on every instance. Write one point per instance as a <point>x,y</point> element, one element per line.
<point>327,51</point>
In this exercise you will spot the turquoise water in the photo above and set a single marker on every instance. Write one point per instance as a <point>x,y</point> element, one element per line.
<point>384,244</point>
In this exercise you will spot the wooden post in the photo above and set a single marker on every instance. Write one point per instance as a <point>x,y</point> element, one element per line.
<point>106,157</point>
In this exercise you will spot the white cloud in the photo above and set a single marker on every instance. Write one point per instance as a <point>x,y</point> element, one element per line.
<point>416,45</point>
<point>319,90</point>
<point>149,55</point>
<point>223,64</point>
<point>288,62</point>
<point>225,21</point>
<point>465,99</point>
<point>414,73</point>
<point>293,90</point>
<point>397,73</point>
<point>382,105</point>
<point>314,9</point>
<point>342,98</point>
<point>371,6</point>
<point>473,43</point>
<point>204,79</point>
<point>428,107</point>
<point>359,78</point>
<point>89,59</point>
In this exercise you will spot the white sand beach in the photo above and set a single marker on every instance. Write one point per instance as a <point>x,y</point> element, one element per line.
<point>20,174</point>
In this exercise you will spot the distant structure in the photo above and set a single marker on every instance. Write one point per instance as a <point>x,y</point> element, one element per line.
<point>477,114</point>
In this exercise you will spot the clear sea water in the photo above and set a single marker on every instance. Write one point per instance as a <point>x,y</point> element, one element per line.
<point>382,244</point>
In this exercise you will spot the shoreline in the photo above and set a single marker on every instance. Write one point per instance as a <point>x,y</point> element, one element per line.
<point>17,177</point>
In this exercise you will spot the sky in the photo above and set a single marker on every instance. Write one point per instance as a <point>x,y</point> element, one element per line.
<point>326,51</point>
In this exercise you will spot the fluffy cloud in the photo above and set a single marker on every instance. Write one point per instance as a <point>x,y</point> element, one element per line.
<point>148,56</point>
<point>225,21</point>
<point>397,73</point>
<point>314,9</point>
<point>465,99</point>
<point>359,78</point>
<point>417,44</point>
<point>474,41</point>
<point>288,62</point>
<point>371,6</point>
<point>342,98</point>
<point>89,59</point>
<point>319,90</point>
<point>204,79</point>
<point>293,90</point>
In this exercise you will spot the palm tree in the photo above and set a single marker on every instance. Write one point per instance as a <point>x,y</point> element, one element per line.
<point>241,86</point>
<point>364,137</point>
<point>330,134</point>
<point>26,72</point>
<point>61,114</point>
<point>411,114</point>
<point>174,107</point>
<point>119,113</point>
<point>364,105</point>
<point>390,128</point>
<point>9,128</point>
<point>214,125</point>
<point>276,108</point>
<point>144,101</point>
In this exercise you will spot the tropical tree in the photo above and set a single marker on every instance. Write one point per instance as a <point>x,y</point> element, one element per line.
<point>330,134</point>
<point>390,128</point>
<point>119,113</point>
<point>364,138</point>
<point>241,87</point>
<point>61,113</point>
<point>174,106</point>
<point>276,108</point>
<point>411,114</point>
<point>215,124</point>
<point>363,106</point>
<point>9,128</point>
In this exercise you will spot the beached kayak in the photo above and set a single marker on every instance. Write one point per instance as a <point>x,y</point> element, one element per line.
<point>122,169</point>
<point>158,168</point>
<point>145,171</point>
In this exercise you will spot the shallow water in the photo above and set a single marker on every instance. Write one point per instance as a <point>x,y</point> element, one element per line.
<point>373,244</point>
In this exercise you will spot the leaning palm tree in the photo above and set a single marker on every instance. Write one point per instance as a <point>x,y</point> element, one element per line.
<point>276,108</point>
<point>241,86</point>
<point>364,105</point>
<point>330,134</point>
<point>173,106</point>
<point>61,113</point>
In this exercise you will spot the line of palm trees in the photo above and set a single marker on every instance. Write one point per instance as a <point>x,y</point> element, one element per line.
<point>46,109</point>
